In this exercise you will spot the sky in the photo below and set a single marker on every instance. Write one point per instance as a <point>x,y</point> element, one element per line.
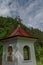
<point>30,11</point>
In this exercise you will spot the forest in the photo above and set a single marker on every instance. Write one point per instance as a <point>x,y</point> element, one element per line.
<point>8,24</point>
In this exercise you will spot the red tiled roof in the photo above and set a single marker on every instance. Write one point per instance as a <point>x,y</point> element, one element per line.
<point>19,31</point>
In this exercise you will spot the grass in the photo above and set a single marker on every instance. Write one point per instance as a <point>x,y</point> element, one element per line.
<point>39,64</point>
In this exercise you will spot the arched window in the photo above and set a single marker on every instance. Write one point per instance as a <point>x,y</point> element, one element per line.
<point>26,51</point>
<point>10,49</point>
<point>9,57</point>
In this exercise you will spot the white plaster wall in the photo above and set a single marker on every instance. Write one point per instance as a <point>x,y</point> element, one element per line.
<point>21,43</point>
<point>6,44</point>
<point>18,45</point>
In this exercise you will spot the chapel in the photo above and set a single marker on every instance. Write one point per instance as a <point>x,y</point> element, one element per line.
<point>18,48</point>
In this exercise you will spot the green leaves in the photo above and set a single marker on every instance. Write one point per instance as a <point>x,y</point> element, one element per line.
<point>2,32</point>
<point>1,48</point>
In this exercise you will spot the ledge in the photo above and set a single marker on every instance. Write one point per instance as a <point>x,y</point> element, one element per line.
<point>27,61</point>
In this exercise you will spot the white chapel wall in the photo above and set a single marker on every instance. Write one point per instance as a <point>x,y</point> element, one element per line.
<point>21,43</point>
<point>18,45</point>
<point>6,44</point>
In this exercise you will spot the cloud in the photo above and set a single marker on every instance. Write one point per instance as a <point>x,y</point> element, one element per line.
<point>33,14</point>
<point>4,9</point>
<point>30,11</point>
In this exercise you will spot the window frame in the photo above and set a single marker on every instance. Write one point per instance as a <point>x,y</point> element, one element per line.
<point>10,54</point>
<point>28,50</point>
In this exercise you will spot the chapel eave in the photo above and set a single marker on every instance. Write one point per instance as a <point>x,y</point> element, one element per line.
<point>19,32</point>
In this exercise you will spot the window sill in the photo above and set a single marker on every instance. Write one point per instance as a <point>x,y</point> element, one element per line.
<point>27,61</point>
